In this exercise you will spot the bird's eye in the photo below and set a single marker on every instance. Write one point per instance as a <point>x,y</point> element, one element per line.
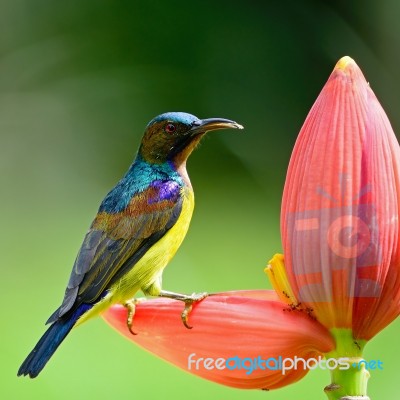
<point>170,128</point>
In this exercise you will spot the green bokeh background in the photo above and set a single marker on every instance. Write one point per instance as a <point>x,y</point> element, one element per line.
<point>79,80</point>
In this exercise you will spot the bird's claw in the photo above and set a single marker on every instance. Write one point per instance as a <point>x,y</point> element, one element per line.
<point>189,300</point>
<point>130,305</point>
<point>185,314</point>
<point>194,298</point>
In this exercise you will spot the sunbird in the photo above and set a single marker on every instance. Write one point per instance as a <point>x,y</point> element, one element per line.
<point>139,227</point>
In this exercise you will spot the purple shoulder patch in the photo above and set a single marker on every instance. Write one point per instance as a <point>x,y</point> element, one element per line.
<point>166,190</point>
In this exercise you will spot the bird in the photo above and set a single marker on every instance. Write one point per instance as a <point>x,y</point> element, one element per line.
<point>139,226</point>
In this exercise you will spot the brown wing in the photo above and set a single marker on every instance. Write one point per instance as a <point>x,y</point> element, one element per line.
<point>114,244</point>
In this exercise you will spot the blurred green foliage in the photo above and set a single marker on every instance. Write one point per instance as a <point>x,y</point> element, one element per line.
<point>78,83</point>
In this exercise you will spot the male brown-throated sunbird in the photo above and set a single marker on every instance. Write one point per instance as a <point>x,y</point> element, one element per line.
<point>139,227</point>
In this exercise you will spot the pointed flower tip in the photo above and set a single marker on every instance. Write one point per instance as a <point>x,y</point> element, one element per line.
<point>345,63</point>
<point>347,67</point>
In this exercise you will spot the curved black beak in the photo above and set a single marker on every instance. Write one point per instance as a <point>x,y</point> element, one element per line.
<point>213,124</point>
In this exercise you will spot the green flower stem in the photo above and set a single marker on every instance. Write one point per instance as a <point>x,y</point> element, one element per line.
<point>347,383</point>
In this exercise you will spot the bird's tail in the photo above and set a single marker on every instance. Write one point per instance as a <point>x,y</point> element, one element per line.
<point>48,344</point>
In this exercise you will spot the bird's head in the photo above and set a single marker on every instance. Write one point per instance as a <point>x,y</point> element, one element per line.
<point>173,136</point>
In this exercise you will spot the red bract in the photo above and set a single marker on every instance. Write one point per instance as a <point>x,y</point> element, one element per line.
<point>340,208</point>
<point>230,326</point>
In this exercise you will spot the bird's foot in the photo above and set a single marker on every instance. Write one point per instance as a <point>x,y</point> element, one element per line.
<point>130,305</point>
<point>194,298</point>
<point>189,300</point>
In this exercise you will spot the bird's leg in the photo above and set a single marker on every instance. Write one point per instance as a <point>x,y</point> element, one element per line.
<point>130,305</point>
<point>189,300</point>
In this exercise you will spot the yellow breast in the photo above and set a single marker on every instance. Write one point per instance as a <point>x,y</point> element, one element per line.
<point>146,274</point>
